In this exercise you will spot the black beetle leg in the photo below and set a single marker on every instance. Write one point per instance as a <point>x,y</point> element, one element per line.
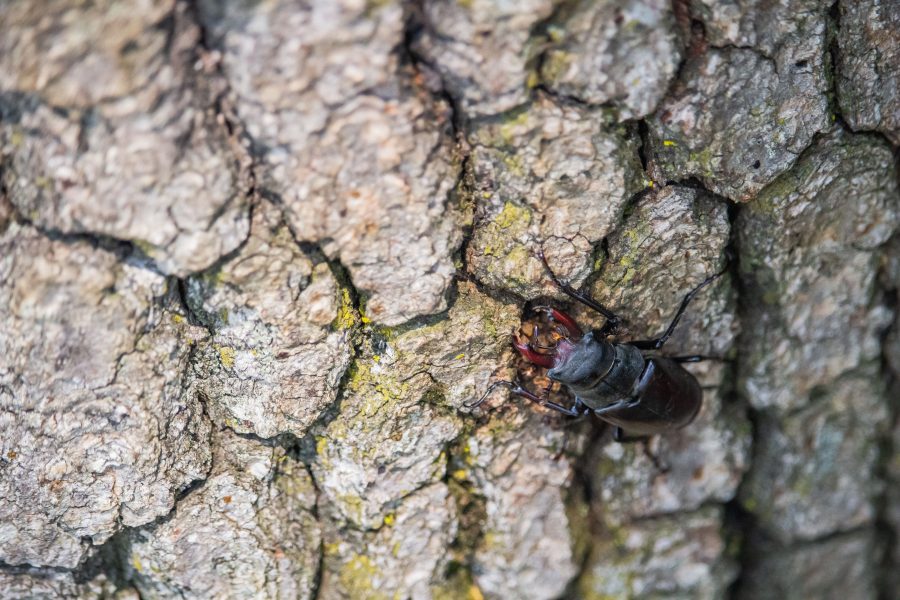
<point>571,412</point>
<point>694,358</point>
<point>657,343</point>
<point>620,436</point>
<point>581,407</point>
<point>518,390</point>
<point>659,464</point>
<point>612,319</point>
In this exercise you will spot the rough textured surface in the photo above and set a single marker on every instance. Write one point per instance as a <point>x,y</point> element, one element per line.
<point>518,469</point>
<point>418,533</point>
<point>737,120</point>
<point>868,57</point>
<point>97,429</point>
<point>622,54</point>
<point>400,411</point>
<point>257,259</point>
<point>549,176</point>
<point>814,471</point>
<point>680,557</point>
<point>361,159</point>
<point>749,102</point>
<point>482,50</point>
<point>891,578</point>
<point>810,253</point>
<point>248,531</point>
<point>119,138</point>
<point>280,329</point>
<point>809,259</point>
<point>843,566</point>
<point>54,585</point>
<point>671,241</point>
<point>787,30</point>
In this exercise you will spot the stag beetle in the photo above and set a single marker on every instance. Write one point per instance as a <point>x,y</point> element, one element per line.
<point>640,394</point>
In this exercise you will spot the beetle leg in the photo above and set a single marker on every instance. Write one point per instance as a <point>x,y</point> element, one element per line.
<point>518,390</point>
<point>569,412</point>
<point>654,458</point>
<point>657,343</point>
<point>514,388</point>
<point>693,358</point>
<point>620,436</point>
<point>612,319</point>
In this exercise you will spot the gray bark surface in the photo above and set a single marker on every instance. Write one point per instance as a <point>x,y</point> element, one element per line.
<point>256,258</point>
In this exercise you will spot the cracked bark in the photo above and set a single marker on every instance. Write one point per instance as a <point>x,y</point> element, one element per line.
<point>255,258</point>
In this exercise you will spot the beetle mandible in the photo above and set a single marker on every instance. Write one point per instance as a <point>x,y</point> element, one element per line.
<point>640,394</point>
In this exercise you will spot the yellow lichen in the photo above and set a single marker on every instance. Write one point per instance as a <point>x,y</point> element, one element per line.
<point>555,64</point>
<point>556,33</point>
<point>321,451</point>
<point>347,316</point>
<point>143,246</point>
<point>226,356</point>
<point>357,578</point>
<point>467,455</point>
<point>331,549</point>
<point>353,506</point>
<point>514,163</point>
<point>17,137</point>
<point>514,120</point>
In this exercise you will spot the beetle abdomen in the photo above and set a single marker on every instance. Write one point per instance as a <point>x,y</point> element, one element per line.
<point>666,397</point>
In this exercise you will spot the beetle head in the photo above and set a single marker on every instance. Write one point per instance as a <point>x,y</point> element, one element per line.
<point>582,364</point>
<point>576,360</point>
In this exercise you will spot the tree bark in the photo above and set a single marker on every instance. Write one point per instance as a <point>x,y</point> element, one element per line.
<point>258,258</point>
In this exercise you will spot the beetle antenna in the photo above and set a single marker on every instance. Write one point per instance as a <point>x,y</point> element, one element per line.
<point>496,384</point>
<point>612,318</point>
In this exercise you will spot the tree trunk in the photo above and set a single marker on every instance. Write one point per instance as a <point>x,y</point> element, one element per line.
<point>258,258</point>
